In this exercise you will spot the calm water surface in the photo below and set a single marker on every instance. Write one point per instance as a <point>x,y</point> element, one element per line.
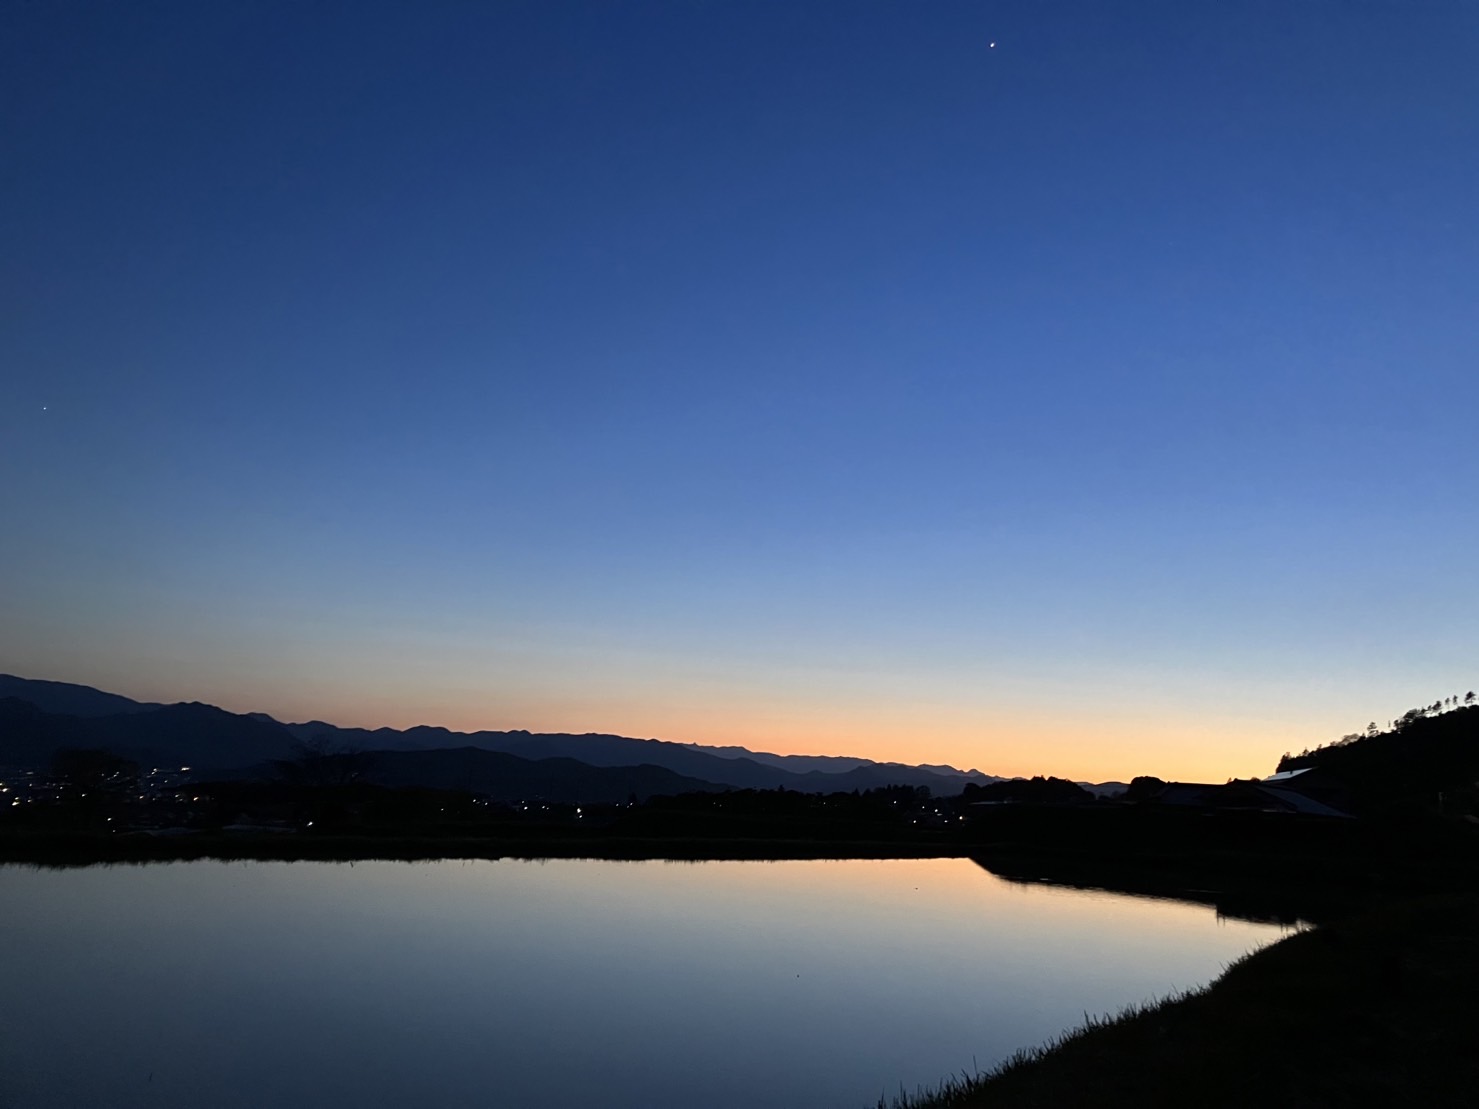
<point>560,983</point>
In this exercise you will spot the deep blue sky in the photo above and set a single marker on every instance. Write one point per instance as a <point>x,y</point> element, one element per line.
<point>811,376</point>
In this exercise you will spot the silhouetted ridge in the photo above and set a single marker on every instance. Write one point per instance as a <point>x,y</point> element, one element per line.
<point>1038,790</point>
<point>747,771</point>
<point>1427,754</point>
<point>504,777</point>
<point>67,699</point>
<point>214,741</point>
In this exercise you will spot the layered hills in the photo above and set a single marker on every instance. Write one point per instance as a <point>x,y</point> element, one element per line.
<point>40,718</point>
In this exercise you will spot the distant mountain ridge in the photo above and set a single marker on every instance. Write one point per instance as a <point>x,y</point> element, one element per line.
<point>68,699</point>
<point>831,764</point>
<point>191,734</point>
<point>504,777</point>
<point>215,740</point>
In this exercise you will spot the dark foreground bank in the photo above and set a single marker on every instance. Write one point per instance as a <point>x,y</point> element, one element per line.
<point>1376,1010</point>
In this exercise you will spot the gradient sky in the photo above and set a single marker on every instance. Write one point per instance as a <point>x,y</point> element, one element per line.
<point>811,376</point>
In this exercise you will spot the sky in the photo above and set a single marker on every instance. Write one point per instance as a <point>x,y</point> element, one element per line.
<point>1079,389</point>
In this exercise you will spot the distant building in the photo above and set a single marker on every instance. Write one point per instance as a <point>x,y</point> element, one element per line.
<point>1278,794</point>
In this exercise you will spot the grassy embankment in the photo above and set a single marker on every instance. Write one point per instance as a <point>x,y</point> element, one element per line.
<point>1374,1010</point>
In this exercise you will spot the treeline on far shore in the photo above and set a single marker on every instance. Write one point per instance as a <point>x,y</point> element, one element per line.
<point>1133,846</point>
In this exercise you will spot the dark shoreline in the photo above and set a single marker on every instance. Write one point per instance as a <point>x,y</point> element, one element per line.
<point>1308,887</point>
<point>1282,893</point>
<point>92,850</point>
<point>1373,1009</point>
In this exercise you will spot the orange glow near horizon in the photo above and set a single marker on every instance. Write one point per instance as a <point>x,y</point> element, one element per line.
<point>1085,745</point>
<point>1104,733</point>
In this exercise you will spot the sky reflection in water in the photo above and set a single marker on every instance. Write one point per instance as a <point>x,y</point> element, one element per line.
<point>557,983</point>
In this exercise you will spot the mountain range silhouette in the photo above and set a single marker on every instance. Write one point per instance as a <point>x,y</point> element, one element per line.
<point>39,718</point>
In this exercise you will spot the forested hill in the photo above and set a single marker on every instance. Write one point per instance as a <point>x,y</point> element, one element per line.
<point>1428,758</point>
